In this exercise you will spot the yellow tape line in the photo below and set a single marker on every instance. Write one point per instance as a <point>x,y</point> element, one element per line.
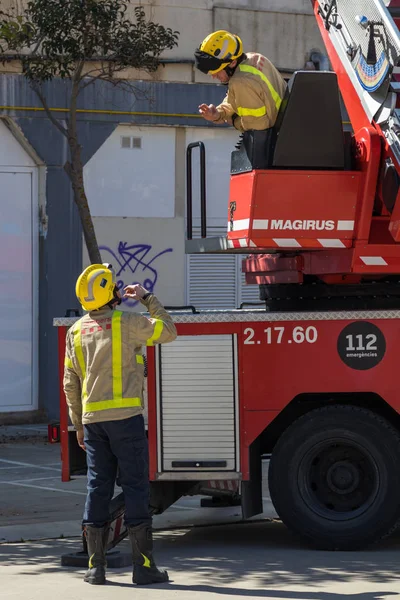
<point>104,112</point>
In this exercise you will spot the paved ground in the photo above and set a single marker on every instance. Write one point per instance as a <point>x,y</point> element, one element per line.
<point>35,504</point>
<point>230,561</point>
<point>238,560</point>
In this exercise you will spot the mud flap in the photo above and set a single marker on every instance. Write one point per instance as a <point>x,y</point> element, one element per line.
<point>252,503</point>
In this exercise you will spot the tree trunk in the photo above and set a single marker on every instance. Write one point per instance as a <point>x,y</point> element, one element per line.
<point>74,170</point>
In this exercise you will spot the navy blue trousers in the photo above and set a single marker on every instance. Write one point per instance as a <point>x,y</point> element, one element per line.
<point>110,445</point>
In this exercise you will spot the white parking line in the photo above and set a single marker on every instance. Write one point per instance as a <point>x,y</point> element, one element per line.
<point>23,464</point>
<point>32,429</point>
<point>40,487</point>
<point>8,468</point>
<point>24,446</point>
<point>29,480</point>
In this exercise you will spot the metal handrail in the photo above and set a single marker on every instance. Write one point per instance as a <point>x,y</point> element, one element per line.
<point>189,197</point>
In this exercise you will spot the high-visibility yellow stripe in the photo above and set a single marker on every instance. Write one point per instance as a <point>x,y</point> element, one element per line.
<point>146,561</point>
<point>68,363</point>
<point>275,96</point>
<point>79,355</point>
<point>116,355</point>
<point>158,327</point>
<point>251,112</point>
<point>106,404</point>
<point>117,401</point>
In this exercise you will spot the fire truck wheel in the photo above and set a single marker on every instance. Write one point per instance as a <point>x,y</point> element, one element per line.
<point>334,477</point>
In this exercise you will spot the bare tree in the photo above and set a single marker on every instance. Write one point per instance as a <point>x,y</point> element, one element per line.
<point>81,41</point>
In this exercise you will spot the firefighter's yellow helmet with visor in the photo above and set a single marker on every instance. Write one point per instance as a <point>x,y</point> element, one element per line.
<point>96,286</point>
<point>217,51</point>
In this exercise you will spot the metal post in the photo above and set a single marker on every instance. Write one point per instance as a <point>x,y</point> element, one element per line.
<point>203,208</point>
<point>189,198</point>
<point>62,332</point>
<point>189,201</point>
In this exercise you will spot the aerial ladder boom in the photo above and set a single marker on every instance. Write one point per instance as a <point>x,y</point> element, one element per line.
<point>314,202</point>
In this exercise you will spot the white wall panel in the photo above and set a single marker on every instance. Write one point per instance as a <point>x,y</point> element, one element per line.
<point>146,251</point>
<point>18,291</point>
<point>133,181</point>
<point>18,276</point>
<point>11,153</point>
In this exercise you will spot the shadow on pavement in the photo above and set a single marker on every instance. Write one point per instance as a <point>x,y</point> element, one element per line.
<point>268,555</point>
<point>231,559</point>
<point>276,594</point>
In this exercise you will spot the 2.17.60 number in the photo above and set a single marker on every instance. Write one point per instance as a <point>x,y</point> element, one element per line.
<point>278,335</point>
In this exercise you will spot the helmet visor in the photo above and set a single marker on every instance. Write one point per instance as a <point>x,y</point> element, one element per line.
<point>207,63</point>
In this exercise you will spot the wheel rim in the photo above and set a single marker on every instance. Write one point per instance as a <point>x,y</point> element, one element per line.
<point>338,479</point>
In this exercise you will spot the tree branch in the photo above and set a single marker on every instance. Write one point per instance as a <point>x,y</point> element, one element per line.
<point>91,79</point>
<point>78,72</point>
<point>42,99</point>
<point>103,74</point>
<point>76,79</point>
<point>36,48</point>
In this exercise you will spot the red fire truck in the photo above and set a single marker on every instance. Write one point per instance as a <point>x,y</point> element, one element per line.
<point>314,207</point>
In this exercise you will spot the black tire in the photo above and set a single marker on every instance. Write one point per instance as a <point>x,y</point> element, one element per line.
<point>334,477</point>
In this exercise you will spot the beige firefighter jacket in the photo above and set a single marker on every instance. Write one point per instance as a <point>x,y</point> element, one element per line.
<point>104,366</point>
<point>255,93</point>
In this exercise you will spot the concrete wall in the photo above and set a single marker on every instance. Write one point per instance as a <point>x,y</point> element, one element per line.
<point>137,198</point>
<point>133,174</point>
<point>146,251</point>
<point>283,30</point>
<point>135,195</point>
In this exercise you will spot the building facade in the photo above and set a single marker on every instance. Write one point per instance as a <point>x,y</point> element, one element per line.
<point>134,150</point>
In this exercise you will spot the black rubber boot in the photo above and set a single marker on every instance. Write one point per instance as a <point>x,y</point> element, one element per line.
<point>145,571</point>
<point>96,539</point>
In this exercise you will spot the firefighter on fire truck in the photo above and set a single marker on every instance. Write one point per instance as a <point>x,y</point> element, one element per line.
<point>255,87</point>
<point>103,383</point>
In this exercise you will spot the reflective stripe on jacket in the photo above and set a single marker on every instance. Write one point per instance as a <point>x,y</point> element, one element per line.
<point>255,93</point>
<point>104,367</point>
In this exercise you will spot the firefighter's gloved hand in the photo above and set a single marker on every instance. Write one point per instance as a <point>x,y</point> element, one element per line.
<point>135,292</point>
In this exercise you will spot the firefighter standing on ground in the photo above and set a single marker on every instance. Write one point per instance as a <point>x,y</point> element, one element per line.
<point>103,383</point>
<point>255,87</point>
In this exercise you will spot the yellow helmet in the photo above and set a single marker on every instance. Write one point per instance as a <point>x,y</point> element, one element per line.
<point>217,50</point>
<point>95,286</point>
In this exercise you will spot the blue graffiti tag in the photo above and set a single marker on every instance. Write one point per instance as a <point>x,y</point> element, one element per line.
<point>133,261</point>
